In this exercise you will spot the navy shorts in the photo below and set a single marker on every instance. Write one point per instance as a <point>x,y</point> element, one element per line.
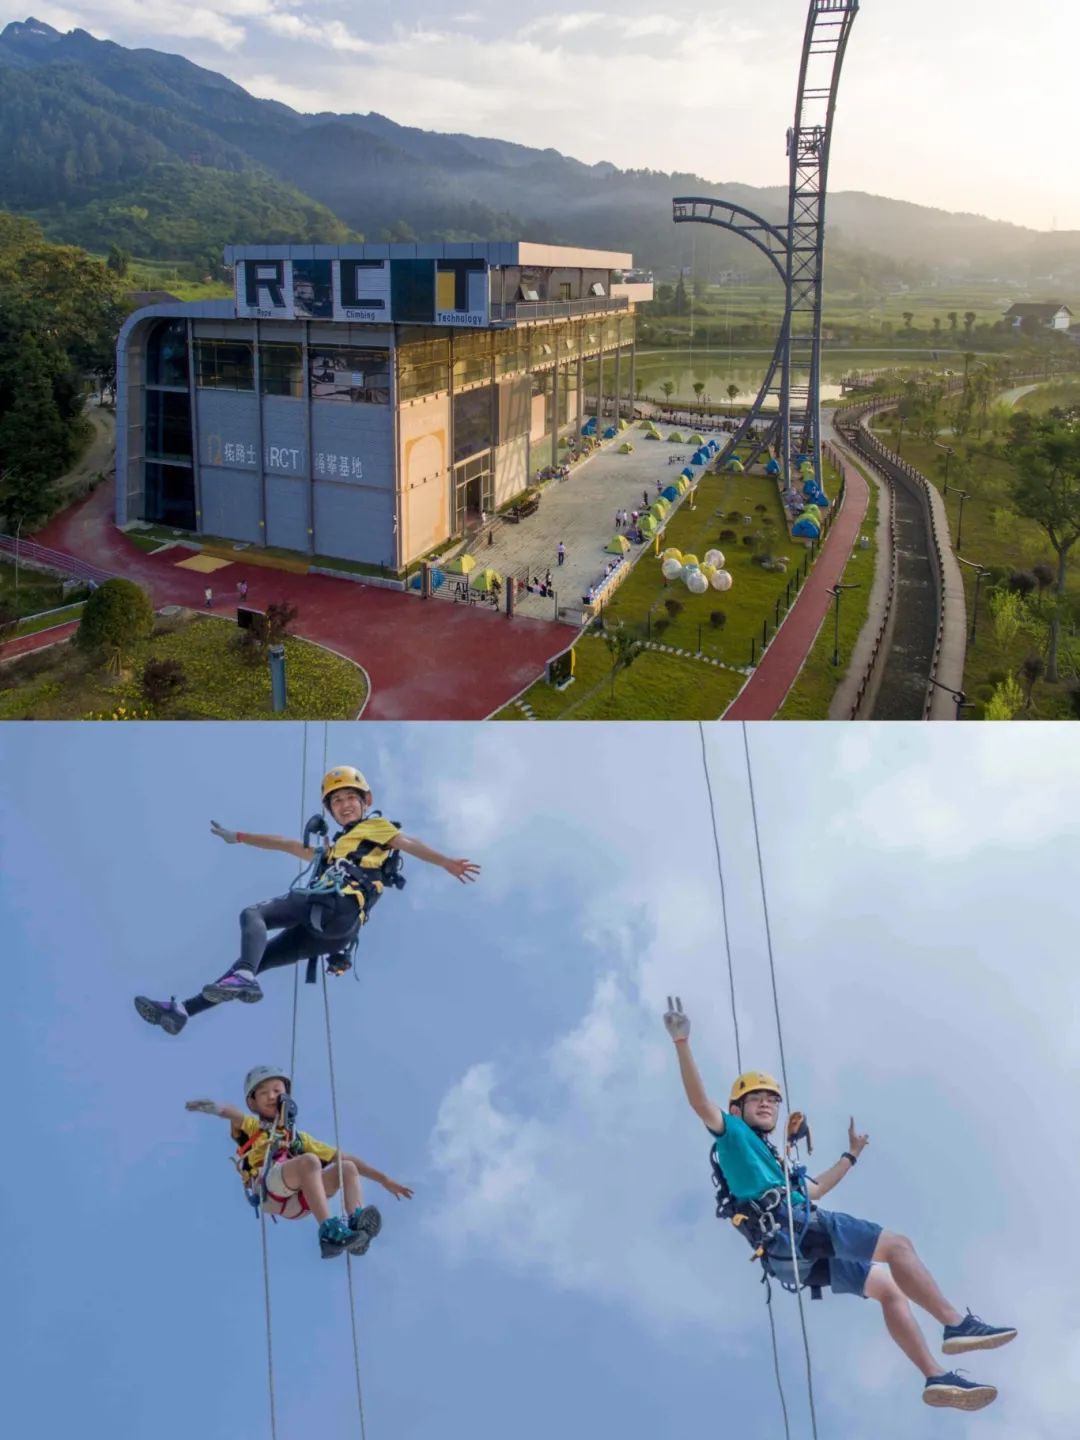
<point>835,1251</point>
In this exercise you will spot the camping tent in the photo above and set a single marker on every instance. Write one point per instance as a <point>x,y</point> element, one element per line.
<point>486,579</point>
<point>618,545</point>
<point>461,565</point>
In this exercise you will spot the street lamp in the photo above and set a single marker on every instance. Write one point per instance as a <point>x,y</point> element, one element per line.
<point>964,495</point>
<point>962,702</point>
<point>18,528</point>
<point>949,453</point>
<point>835,591</point>
<point>981,571</point>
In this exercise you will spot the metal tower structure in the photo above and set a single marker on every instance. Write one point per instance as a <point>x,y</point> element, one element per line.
<point>797,249</point>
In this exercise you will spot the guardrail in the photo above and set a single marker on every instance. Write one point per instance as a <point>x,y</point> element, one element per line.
<point>39,557</point>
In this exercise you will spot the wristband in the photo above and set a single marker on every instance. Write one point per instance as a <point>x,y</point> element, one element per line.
<point>847,1155</point>
<point>681,1039</point>
<point>240,837</point>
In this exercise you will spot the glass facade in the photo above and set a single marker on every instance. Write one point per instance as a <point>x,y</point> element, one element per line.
<point>168,425</point>
<point>167,354</point>
<point>474,416</point>
<point>170,495</point>
<point>225,364</point>
<point>359,377</point>
<point>168,488</point>
<point>423,369</point>
<point>281,370</point>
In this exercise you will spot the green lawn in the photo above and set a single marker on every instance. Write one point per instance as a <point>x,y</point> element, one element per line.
<point>656,687</point>
<point>37,592</point>
<point>672,687</point>
<point>64,684</point>
<point>1061,394</point>
<point>993,536</point>
<point>812,693</point>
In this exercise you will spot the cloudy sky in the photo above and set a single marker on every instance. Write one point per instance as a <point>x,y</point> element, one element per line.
<point>560,1270</point>
<point>947,105</point>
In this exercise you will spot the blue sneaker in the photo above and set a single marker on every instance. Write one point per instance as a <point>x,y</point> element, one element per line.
<point>335,1237</point>
<point>238,985</point>
<point>953,1392</point>
<point>170,1015</point>
<point>972,1334</point>
<point>364,1225</point>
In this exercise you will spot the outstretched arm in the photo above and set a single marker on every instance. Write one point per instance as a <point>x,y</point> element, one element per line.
<point>463,870</point>
<point>829,1179</point>
<point>263,842</point>
<point>398,1191</point>
<point>211,1107</point>
<point>677,1023</point>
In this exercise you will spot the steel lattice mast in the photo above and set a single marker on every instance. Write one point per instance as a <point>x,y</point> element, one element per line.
<point>797,249</point>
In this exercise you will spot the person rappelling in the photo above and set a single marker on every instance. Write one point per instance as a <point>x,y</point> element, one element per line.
<point>326,907</point>
<point>846,1254</point>
<point>290,1174</point>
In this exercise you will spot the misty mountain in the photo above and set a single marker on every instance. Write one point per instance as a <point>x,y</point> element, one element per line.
<point>86,124</point>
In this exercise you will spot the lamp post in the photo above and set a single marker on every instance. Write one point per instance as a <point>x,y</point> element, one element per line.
<point>949,452</point>
<point>964,495</point>
<point>18,529</point>
<point>962,702</point>
<point>981,571</point>
<point>835,591</point>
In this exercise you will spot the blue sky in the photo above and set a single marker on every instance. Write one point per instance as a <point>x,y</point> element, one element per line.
<point>963,97</point>
<point>559,1269</point>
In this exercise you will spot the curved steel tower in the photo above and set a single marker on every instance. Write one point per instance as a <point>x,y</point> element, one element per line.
<point>797,249</point>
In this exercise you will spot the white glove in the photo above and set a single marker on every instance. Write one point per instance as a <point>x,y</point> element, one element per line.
<point>204,1107</point>
<point>229,836</point>
<point>676,1022</point>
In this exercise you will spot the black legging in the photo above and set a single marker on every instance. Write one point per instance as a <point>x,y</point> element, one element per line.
<point>289,914</point>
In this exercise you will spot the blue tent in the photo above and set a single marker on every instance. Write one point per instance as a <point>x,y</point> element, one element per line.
<point>806,529</point>
<point>700,457</point>
<point>610,432</point>
<point>687,472</point>
<point>669,492</point>
<point>714,445</point>
<point>773,467</point>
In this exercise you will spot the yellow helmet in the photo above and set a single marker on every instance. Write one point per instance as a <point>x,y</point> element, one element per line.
<point>754,1080</point>
<point>343,777</point>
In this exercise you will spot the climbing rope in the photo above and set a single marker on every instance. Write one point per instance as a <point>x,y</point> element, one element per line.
<point>337,1145</point>
<point>723,896</point>
<point>783,1058</point>
<point>783,1072</point>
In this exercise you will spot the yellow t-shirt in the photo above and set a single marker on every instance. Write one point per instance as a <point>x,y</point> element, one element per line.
<point>378,833</point>
<point>253,1159</point>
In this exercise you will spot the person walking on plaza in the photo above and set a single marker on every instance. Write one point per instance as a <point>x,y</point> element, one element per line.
<point>208,596</point>
<point>561,552</point>
<point>241,591</point>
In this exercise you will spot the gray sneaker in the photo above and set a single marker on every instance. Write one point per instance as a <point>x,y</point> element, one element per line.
<point>169,1014</point>
<point>365,1225</point>
<point>233,986</point>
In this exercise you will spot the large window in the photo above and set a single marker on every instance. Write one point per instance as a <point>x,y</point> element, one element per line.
<point>423,369</point>
<point>472,358</point>
<point>167,354</point>
<point>473,421</point>
<point>168,425</point>
<point>224,364</point>
<point>170,495</point>
<point>338,372</point>
<point>281,370</point>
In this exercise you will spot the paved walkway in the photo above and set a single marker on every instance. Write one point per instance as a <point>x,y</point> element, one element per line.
<point>427,659</point>
<point>765,691</point>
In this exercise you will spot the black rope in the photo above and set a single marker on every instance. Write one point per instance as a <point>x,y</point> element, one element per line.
<point>723,895</point>
<point>783,1072</point>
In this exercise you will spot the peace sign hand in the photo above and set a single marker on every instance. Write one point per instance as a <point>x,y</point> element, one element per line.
<point>676,1021</point>
<point>856,1143</point>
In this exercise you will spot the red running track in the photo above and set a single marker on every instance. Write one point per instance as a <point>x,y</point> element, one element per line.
<point>40,640</point>
<point>765,691</point>
<point>427,659</point>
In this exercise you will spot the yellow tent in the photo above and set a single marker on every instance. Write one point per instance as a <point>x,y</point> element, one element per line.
<point>695,440</point>
<point>460,566</point>
<point>618,545</point>
<point>676,438</point>
<point>626,448</point>
<point>486,579</point>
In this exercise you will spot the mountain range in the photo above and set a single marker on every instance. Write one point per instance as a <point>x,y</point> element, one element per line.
<point>106,145</point>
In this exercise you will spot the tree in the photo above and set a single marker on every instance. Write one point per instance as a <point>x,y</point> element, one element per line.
<point>1045,461</point>
<point>1005,701</point>
<point>953,318</point>
<point>682,300</point>
<point>732,391</point>
<point>116,619</point>
<point>969,321</point>
<point>668,388</point>
<point>1032,670</point>
<point>1007,608</point>
<point>118,261</point>
<point>908,316</point>
<point>699,388</point>
<point>624,647</point>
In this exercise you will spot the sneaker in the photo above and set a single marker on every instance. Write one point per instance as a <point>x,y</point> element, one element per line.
<point>335,1237</point>
<point>233,986</point>
<point>953,1392</point>
<point>364,1225</point>
<point>170,1015</point>
<point>972,1334</point>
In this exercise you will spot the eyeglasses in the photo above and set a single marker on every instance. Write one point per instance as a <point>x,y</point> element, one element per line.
<point>763,1097</point>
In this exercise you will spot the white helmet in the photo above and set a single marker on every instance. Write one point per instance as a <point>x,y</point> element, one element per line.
<point>255,1078</point>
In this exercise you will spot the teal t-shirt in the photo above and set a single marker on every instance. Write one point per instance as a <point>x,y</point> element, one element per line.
<point>747,1162</point>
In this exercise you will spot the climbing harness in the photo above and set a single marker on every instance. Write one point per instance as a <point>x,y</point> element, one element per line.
<point>281,1144</point>
<point>779,1214</point>
<point>332,915</point>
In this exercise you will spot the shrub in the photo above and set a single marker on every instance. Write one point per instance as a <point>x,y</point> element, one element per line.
<point>1022,582</point>
<point>749,542</point>
<point>118,617</point>
<point>673,608</point>
<point>717,619</point>
<point>161,680</point>
<point>728,535</point>
<point>659,626</point>
<point>1044,576</point>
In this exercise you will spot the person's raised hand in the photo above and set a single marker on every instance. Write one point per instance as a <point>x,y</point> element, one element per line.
<point>676,1021</point>
<point>229,836</point>
<point>399,1192</point>
<point>204,1107</point>
<point>463,870</point>
<point>856,1143</point>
